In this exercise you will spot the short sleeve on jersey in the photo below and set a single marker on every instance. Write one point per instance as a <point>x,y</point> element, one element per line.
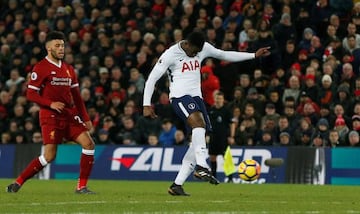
<point>36,79</point>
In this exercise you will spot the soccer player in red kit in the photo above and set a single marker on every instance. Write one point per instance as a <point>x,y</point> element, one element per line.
<point>54,87</point>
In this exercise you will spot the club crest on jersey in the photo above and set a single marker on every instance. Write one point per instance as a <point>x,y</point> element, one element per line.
<point>191,65</point>
<point>191,106</point>
<point>33,76</point>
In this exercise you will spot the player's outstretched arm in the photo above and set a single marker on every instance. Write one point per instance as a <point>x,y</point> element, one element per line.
<point>233,56</point>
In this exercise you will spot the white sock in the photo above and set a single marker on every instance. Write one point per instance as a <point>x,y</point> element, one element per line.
<point>88,151</point>
<point>187,166</point>
<point>43,160</point>
<point>199,145</point>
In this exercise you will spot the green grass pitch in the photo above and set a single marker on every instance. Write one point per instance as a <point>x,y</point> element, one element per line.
<point>57,196</point>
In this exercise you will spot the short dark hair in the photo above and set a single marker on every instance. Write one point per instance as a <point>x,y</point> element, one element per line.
<point>351,36</point>
<point>290,41</point>
<point>290,98</point>
<point>220,93</point>
<point>197,39</point>
<point>166,120</point>
<point>54,35</point>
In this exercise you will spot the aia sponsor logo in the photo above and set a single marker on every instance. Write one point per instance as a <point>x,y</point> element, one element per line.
<point>191,65</point>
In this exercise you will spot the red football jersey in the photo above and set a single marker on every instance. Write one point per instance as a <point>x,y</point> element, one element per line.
<point>51,83</point>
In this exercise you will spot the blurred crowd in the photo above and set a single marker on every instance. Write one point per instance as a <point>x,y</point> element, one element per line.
<point>306,93</point>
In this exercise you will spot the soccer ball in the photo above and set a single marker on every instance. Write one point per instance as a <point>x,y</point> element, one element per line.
<point>249,170</point>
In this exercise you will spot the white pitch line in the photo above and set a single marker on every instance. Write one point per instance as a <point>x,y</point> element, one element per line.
<point>173,202</point>
<point>55,203</point>
<point>220,201</point>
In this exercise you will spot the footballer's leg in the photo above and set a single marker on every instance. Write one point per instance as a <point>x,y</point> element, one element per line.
<point>35,166</point>
<point>187,167</point>
<point>190,110</point>
<point>86,162</point>
<point>197,122</point>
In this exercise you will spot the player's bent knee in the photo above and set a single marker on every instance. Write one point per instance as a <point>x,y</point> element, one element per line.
<point>90,145</point>
<point>85,141</point>
<point>196,121</point>
<point>197,124</point>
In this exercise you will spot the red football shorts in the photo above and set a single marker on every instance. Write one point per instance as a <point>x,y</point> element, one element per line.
<point>55,130</point>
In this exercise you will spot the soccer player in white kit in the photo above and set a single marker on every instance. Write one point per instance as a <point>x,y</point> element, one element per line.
<point>182,62</point>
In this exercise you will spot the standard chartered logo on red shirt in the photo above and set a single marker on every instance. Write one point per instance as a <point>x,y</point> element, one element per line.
<point>63,81</point>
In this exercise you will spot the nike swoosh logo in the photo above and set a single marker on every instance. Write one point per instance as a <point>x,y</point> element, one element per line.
<point>181,60</point>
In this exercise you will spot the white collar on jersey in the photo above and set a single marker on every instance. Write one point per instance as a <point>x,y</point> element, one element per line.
<point>57,65</point>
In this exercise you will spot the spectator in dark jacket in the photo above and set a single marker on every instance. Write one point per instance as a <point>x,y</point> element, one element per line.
<point>322,132</point>
<point>305,42</point>
<point>273,61</point>
<point>320,14</point>
<point>289,56</point>
<point>311,88</point>
<point>343,97</point>
<point>284,31</point>
<point>302,135</point>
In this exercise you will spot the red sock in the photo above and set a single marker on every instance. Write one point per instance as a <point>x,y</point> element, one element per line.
<point>86,164</point>
<point>32,169</point>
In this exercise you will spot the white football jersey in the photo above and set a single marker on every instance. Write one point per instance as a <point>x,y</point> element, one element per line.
<point>184,71</point>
